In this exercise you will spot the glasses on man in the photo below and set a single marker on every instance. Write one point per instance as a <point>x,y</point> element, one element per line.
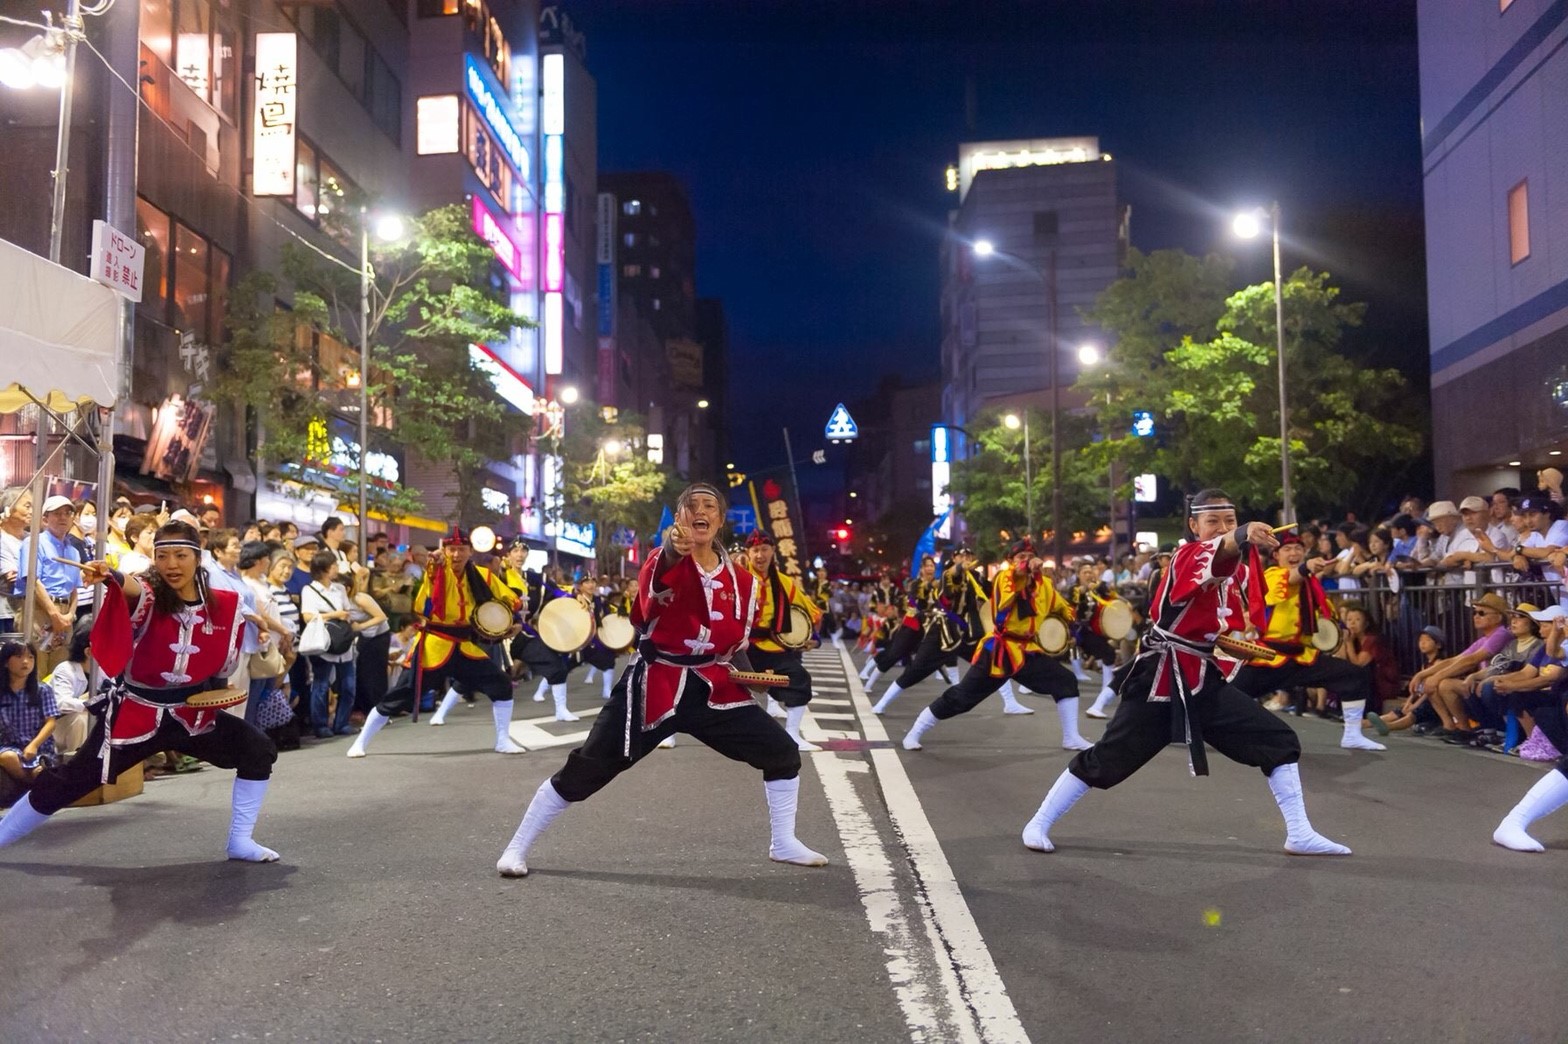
<point>1484,612</point>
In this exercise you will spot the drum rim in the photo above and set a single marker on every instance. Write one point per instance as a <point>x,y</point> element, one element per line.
<point>599,631</point>
<point>1125,608</point>
<point>486,632</point>
<point>1065,633</point>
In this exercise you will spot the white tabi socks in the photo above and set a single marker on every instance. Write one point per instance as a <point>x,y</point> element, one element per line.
<point>561,713</point>
<point>22,820</point>
<point>1354,711</point>
<point>542,810</point>
<point>922,725</point>
<point>1101,702</point>
<point>867,667</point>
<point>248,795</point>
<point>887,698</point>
<point>1067,711</point>
<point>1548,795</point>
<point>501,713</point>
<point>1300,838</point>
<point>792,722</point>
<point>784,847</point>
<point>592,675</point>
<point>775,709</point>
<point>1010,704</point>
<point>1063,795</point>
<point>871,680</point>
<point>1078,672</point>
<point>544,687</point>
<point>609,685</point>
<point>375,721</point>
<point>447,703</point>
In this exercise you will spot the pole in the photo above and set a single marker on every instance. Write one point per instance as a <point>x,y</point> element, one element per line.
<point>72,24</point>
<point>800,515</point>
<point>1056,415</point>
<point>1028,480</point>
<point>1289,509</point>
<point>364,377</point>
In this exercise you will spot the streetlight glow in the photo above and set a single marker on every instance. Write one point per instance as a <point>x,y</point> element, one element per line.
<point>613,447</point>
<point>569,394</point>
<point>984,248</point>
<point>1089,354</point>
<point>702,404</point>
<point>389,228</point>
<point>1248,224</point>
<point>1012,421</point>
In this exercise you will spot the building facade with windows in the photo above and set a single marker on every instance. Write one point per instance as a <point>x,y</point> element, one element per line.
<point>1048,209</point>
<point>1494,145</point>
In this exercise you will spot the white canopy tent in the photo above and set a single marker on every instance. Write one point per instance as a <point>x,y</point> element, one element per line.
<point>60,349</point>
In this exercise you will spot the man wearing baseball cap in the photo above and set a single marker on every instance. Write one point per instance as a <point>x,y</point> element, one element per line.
<point>54,592</point>
<point>1541,547</point>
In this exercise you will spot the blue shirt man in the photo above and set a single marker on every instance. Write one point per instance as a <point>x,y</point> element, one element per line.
<point>59,581</point>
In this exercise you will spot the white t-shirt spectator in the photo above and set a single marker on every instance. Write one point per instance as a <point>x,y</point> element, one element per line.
<point>1460,539</point>
<point>1556,536</point>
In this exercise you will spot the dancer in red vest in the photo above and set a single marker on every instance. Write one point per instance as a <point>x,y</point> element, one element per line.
<point>163,636</point>
<point>694,611</point>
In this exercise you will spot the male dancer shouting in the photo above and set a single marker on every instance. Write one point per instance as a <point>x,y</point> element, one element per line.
<point>452,589</point>
<point>1177,690</point>
<point>694,611</point>
<point>1021,597</point>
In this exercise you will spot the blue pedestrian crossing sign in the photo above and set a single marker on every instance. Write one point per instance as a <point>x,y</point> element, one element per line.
<point>841,426</point>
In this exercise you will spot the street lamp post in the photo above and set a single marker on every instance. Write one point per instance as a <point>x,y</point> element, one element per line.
<point>1247,225</point>
<point>1012,421</point>
<point>388,227</point>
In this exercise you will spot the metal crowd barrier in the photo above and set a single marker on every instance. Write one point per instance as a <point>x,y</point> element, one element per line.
<point>1441,598</point>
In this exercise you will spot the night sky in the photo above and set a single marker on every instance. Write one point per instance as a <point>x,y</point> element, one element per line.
<point>812,138</point>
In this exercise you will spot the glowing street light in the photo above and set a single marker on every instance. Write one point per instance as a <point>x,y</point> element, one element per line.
<point>1089,354</point>
<point>568,395</point>
<point>613,447</point>
<point>984,248</point>
<point>1249,224</point>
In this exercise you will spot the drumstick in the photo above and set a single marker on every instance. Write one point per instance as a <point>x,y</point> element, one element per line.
<point>67,561</point>
<point>1287,525</point>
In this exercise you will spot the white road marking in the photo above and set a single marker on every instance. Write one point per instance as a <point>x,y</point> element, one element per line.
<point>826,716</point>
<point>980,993</point>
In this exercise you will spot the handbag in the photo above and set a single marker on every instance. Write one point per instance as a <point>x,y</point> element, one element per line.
<point>268,663</point>
<point>274,711</point>
<point>315,639</point>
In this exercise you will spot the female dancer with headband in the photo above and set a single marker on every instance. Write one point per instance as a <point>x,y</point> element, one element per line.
<point>164,636</point>
<point>693,612</point>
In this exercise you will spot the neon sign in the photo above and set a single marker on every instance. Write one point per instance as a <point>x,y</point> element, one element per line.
<point>496,111</point>
<point>494,231</point>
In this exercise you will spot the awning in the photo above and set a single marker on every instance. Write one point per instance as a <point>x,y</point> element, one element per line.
<point>59,334</point>
<point>433,525</point>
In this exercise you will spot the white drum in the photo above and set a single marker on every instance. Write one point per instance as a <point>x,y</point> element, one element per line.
<point>1053,635</point>
<point>564,625</point>
<point>616,632</point>
<point>798,634</point>
<point>1115,619</point>
<point>1327,637</point>
<point>492,620</point>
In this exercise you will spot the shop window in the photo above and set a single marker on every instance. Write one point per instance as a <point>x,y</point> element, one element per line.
<point>222,268</point>
<point>305,191</point>
<point>437,8</point>
<point>1519,222</point>
<point>191,292</point>
<point>333,193</point>
<point>152,231</point>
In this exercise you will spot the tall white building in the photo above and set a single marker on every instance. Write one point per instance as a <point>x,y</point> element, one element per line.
<point>1047,212</point>
<point>1494,146</point>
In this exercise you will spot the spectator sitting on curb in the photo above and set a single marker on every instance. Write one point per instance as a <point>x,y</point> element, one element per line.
<point>1482,702</point>
<point>27,715</point>
<point>1447,682</point>
<point>1414,712</point>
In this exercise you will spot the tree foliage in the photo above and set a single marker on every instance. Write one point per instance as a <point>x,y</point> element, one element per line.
<point>607,479</point>
<point>990,483</point>
<point>431,298</point>
<point>1203,361</point>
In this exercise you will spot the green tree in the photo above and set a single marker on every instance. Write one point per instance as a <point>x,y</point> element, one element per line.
<point>431,298</point>
<point>607,479</point>
<point>1203,361</point>
<point>990,488</point>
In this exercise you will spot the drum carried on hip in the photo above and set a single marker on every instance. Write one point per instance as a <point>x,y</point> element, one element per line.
<point>1112,618</point>
<point>492,620</point>
<point>1327,638</point>
<point>616,632</point>
<point>564,625</point>
<point>798,634</point>
<point>1053,635</point>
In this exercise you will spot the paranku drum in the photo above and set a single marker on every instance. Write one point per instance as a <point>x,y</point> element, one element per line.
<point>218,698</point>
<point>616,632</point>
<point>798,634</point>
<point>564,625</point>
<point>1327,638</point>
<point>492,620</point>
<point>1238,647</point>
<point>1113,619</point>
<point>1053,635</point>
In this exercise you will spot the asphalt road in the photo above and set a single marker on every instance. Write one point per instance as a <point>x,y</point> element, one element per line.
<point>1168,911</point>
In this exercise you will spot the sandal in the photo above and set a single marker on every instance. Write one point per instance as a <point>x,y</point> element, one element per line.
<point>188,764</point>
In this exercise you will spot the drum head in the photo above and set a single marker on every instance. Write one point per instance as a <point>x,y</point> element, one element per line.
<point>1116,620</point>
<point>564,625</point>
<point>799,631</point>
<point>1326,638</point>
<point>492,620</point>
<point>1053,635</point>
<point>616,632</point>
